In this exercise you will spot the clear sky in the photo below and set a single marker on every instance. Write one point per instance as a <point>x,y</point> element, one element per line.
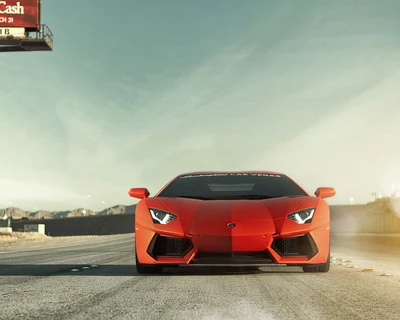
<point>137,92</point>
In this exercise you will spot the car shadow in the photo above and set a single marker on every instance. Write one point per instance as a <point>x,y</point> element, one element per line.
<point>128,270</point>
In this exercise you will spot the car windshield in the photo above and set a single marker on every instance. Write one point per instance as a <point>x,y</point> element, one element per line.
<point>233,186</point>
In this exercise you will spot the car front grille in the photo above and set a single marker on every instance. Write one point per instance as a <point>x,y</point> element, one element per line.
<point>169,246</point>
<point>234,258</point>
<point>295,246</point>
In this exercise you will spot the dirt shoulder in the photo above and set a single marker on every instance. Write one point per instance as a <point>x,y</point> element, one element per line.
<point>16,239</point>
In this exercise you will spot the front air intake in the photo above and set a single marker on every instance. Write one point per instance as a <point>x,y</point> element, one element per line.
<point>295,246</point>
<point>169,246</point>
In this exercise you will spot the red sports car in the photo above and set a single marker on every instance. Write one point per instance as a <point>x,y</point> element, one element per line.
<point>232,218</point>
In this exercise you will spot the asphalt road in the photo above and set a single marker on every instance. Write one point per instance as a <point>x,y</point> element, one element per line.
<point>37,282</point>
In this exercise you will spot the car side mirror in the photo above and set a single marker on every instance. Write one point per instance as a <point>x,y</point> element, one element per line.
<point>325,192</point>
<point>139,193</point>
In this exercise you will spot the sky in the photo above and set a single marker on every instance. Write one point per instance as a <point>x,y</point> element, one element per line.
<point>137,92</point>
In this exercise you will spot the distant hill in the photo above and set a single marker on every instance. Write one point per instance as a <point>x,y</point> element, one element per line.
<point>18,214</point>
<point>386,206</point>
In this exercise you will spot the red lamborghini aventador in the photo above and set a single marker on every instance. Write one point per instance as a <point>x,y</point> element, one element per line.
<point>232,218</point>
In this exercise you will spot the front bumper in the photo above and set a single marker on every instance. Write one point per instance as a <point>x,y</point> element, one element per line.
<point>311,247</point>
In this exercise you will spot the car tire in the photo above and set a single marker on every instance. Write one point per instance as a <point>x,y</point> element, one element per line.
<point>320,267</point>
<point>145,268</point>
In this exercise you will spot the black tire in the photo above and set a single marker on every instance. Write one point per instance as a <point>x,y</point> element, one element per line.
<point>145,268</point>
<point>320,267</point>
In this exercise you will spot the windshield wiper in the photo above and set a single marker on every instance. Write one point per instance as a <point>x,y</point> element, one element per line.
<point>259,196</point>
<point>190,197</point>
<point>228,197</point>
<point>247,196</point>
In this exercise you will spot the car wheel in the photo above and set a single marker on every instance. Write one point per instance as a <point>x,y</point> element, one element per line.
<point>145,268</point>
<point>320,267</point>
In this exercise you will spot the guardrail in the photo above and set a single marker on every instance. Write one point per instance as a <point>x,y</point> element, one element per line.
<point>382,243</point>
<point>45,34</point>
<point>381,217</point>
<point>78,226</point>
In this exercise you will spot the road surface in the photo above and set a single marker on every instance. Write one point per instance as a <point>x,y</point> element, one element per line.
<point>37,282</point>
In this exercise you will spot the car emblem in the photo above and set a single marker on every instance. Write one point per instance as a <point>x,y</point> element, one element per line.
<point>231,225</point>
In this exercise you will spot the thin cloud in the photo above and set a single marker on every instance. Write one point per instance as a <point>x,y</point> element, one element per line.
<point>308,89</point>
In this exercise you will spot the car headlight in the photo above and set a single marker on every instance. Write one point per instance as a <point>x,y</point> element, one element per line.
<point>302,216</point>
<point>161,217</point>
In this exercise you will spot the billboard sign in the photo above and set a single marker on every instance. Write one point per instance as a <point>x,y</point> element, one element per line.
<point>40,228</point>
<point>14,32</point>
<point>20,14</point>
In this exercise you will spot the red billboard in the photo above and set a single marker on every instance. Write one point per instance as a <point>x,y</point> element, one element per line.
<point>20,13</point>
